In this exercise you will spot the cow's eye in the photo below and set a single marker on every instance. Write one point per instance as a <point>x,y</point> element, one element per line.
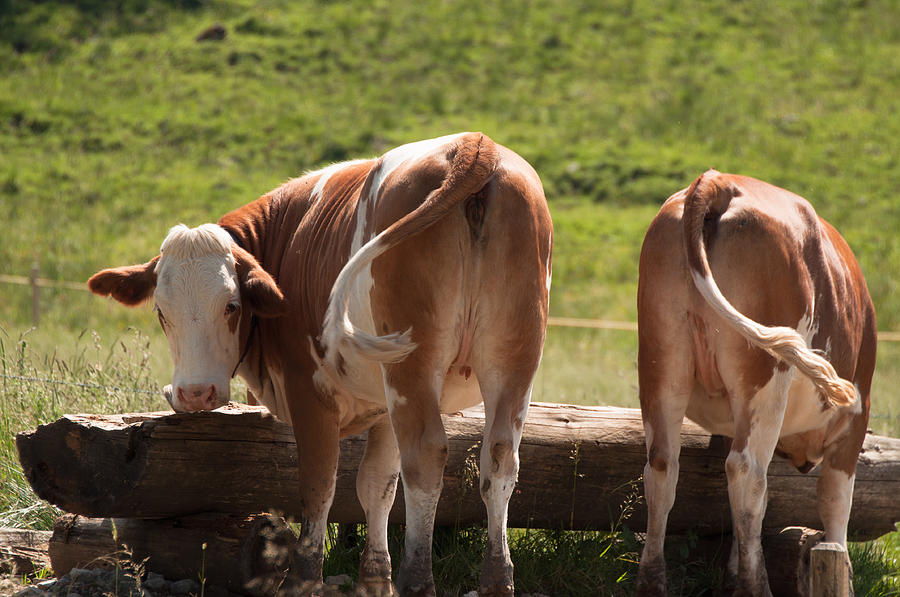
<point>231,308</point>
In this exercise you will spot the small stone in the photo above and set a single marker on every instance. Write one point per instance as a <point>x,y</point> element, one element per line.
<point>339,580</point>
<point>30,592</point>
<point>76,572</point>
<point>183,587</point>
<point>46,585</point>
<point>471,594</point>
<point>155,581</point>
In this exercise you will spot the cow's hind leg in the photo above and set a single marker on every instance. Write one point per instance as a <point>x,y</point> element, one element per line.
<point>835,489</point>
<point>376,485</point>
<point>662,426</point>
<point>506,399</point>
<point>836,479</point>
<point>666,384</point>
<point>413,399</point>
<point>757,427</point>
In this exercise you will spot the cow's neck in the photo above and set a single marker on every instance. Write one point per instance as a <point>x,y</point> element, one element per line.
<point>259,229</point>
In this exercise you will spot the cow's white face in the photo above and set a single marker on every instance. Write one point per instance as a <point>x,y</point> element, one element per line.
<point>203,284</point>
<point>198,303</point>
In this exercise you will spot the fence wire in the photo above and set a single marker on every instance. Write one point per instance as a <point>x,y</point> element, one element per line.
<point>569,322</point>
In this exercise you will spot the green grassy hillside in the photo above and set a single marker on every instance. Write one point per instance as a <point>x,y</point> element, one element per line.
<point>116,124</point>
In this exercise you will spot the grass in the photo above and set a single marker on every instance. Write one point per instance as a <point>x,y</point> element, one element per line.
<point>115,124</point>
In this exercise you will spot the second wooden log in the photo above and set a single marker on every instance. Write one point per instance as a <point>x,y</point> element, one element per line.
<point>243,554</point>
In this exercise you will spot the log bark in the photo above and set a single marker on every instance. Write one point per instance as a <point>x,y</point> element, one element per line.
<point>580,469</point>
<point>22,551</point>
<point>243,554</point>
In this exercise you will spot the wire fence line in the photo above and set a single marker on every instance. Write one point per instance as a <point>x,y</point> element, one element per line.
<point>42,282</point>
<point>569,322</point>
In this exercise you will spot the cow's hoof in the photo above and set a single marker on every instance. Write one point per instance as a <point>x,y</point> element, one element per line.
<point>651,580</point>
<point>303,587</point>
<point>506,590</point>
<point>496,576</point>
<point>753,591</point>
<point>375,587</point>
<point>651,587</point>
<point>417,590</point>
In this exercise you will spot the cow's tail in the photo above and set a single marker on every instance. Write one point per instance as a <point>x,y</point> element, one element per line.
<point>708,197</point>
<point>473,159</point>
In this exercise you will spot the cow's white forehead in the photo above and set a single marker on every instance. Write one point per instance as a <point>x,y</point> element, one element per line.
<point>195,262</point>
<point>190,243</point>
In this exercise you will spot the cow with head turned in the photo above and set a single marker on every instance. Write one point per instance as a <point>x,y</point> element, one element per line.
<point>370,296</point>
<point>755,322</point>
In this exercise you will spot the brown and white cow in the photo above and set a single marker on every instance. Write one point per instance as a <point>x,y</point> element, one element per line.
<point>755,322</point>
<point>372,295</point>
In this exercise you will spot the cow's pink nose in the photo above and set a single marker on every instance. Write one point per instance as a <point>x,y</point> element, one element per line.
<point>197,397</point>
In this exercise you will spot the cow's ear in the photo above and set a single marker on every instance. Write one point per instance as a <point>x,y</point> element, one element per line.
<point>258,289</point>
<point>130,285</point>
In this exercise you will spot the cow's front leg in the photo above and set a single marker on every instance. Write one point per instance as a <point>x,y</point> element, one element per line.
<point>423,446</point>
<point>317,434</point>
<point>376,485</point>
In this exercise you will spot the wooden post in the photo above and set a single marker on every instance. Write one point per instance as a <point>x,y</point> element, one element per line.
<point>35,294</point>
<point>829,571</point>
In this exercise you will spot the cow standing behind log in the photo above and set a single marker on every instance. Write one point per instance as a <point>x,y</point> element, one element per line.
<point>755,322</point>
<point>370,295</point>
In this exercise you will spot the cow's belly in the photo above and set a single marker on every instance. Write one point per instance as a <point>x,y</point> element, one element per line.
<point>803,411</point>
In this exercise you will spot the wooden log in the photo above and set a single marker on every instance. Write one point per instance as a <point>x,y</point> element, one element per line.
<point>23,552</point>
<point>243,554</point>
<point>829,571</point>
<point>580,469</point>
